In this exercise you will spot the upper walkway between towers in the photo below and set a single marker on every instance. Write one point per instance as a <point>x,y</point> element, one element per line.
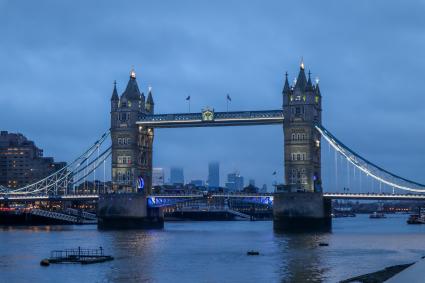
<point>209,118</point>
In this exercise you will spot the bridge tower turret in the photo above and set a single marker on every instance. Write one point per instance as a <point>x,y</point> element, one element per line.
<point>302,111</point>
<point>125,111</point>
<point>146,136</point>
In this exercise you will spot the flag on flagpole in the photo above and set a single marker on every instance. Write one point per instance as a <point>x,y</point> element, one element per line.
<point>228,98</point>
<point>188,98</point>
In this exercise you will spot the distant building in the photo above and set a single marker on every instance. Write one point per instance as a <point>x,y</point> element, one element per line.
<point>176,175</point>
<point>197,183</point>
<point>250,189</point>
<point>22,162</point>
<point>158,176</point>
<point>214,174</point>
<point>264,189</point>
<point>235,182</point>
<point>251,182</point>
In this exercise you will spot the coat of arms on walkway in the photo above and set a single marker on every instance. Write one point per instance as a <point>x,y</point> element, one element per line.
<point>208,114</point>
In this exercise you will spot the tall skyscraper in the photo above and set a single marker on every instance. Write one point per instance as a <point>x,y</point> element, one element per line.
<point>235,182</point>
<point>214,175</point>
<point>176,175</point>
<point>158,176</point>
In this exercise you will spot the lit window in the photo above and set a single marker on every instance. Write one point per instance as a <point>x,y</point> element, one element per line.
<point>316,99</point>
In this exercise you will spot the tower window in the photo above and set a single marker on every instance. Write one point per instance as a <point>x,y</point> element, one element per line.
<point>297,110</point>
<point>298,156</point>
<point>124,117</point>
<point>316,99</point>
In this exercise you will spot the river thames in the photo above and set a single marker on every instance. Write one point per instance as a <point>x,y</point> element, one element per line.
<point>214,252</point>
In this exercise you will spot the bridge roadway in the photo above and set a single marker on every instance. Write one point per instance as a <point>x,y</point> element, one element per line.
<point>352,196</point>
<point>209,118</point>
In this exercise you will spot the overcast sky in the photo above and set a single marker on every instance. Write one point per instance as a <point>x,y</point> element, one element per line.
<point>58,61</point>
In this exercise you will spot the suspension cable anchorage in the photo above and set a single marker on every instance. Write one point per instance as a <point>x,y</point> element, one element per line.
<point>370,168</point>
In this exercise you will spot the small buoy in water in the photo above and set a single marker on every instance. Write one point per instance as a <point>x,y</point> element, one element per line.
<point>323,244</point>
<point>253,253</point>
<point>44,262</point>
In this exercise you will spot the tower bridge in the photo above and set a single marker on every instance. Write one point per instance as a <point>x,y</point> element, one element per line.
<point>301,199</point>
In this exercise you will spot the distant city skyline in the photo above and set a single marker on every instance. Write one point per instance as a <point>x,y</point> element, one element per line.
<point>178,173</point>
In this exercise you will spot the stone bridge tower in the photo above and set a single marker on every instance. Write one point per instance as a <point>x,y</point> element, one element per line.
<point>299,204</point>
<point>131,146</point>
<point>302,111</point>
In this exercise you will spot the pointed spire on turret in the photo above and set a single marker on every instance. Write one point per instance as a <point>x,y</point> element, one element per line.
<point>150,98</point>
<point>132,73</point>
<point>301,80</point>
<point>149,101</point>
<point>317,89</point>
<point>286,88</point>
<point>309,86</point>
<point>115,93</point>
<point>132,90</point>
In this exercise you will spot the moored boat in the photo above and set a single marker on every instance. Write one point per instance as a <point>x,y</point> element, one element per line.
<point>417,218</point>
<point>376,215</point>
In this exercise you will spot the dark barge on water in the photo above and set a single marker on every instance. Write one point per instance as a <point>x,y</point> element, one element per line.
<point>79,255</point>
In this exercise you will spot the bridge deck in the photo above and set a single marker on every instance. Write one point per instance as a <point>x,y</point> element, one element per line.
<point>354,196</point>
<point>213,119</point>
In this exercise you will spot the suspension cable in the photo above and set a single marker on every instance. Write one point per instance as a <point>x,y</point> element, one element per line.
<point>368,167</point>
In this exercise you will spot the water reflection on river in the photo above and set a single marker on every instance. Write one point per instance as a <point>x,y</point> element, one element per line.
<point>214,252</point>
